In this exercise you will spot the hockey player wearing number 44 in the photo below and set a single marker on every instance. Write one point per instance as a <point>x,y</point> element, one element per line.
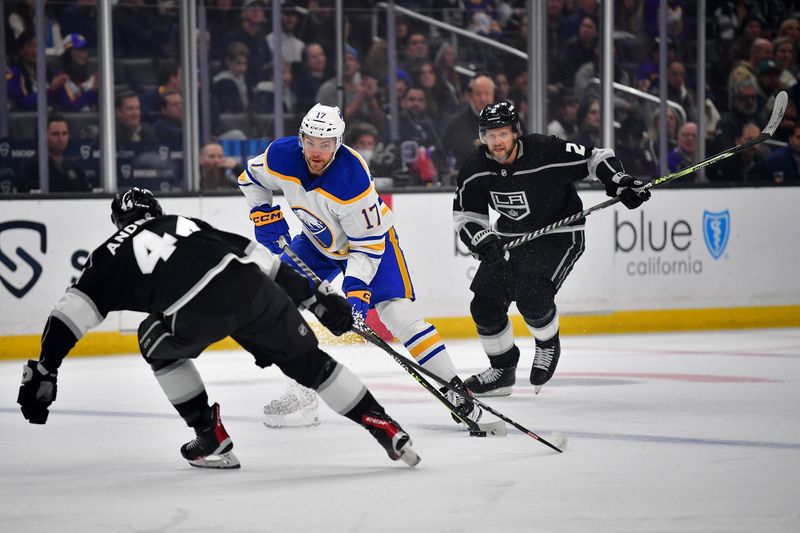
<point>201,285</point>
<point>347,229</point>
<point>529,181</point>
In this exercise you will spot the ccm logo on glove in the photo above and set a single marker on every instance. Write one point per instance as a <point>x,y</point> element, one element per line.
<point>261,218</point>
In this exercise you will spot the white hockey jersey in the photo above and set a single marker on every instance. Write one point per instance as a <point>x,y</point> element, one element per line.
<point>340,210</point>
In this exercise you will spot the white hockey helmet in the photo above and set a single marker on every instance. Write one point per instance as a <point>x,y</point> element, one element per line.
<point>323,121</point>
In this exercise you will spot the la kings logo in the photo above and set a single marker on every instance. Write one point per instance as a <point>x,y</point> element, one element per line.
<point>514,205</point>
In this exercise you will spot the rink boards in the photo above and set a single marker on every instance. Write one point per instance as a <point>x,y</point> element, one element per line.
<point>691,259</point>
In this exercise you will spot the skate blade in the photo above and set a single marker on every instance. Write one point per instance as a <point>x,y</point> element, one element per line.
<point>537,388</point>
<point>502,391</point>
<point>409,456</point>
<point>220,461</point>
<point>490,429</point>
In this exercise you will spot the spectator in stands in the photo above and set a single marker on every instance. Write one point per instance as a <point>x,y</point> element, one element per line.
<point>782,165</point>
<point>21,77</point>
<point>750,28</point>
<point>130,128</point>
<point>677,91</point>
<point>415,51</point>
<point>786,126</point>
<point>746,70</point>
<point>81,18</point>
<point>222,17</point>
<point>217,172</point>
<point>141,31</point>
<point>785,55</point>
<point>363,138</point>
<point>790,28</point>
<point>169,125</point>
<point>318,26</point>
<point>579,50</point>
<point>312,75</point>
<point>264,93</point>
<point>744,105</point>
<point>650,142</point>
<point>441,101</point>
<point>565,123</point>
<point>415,125</point>
<point>360,93</point>
<point>445,62</point>
<point>79,90</point>
<point>252,34</point>
<point>769,83</point>
<point>629,18</point>
<point>589,122</point>
<point>744,166</point>
<point>461,130</point>
<point>64,174</point>
<point>647,73</point>
<point>685,152</point>
<point>502,87</point>
<point>169,79</point>
<point>20,18</point>
<point>230,89</point>
<point>584,8</point>
<point>291,46</point>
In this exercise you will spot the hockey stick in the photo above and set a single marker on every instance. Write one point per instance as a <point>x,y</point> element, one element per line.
<point>775,119</point>
<point>364,331</point>
<point>413,368</point>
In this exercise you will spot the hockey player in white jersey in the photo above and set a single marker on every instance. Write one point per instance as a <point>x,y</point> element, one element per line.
<point>346,228</point>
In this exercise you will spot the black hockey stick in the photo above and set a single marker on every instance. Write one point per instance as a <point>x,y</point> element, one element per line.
<point>364,331</point>
<point>413,368</point>
<point>775,119</point>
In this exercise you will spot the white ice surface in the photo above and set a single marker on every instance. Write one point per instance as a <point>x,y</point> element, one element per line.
<point>667,432</point>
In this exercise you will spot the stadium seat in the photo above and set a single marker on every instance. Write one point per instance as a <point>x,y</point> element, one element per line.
<point>22,124</point>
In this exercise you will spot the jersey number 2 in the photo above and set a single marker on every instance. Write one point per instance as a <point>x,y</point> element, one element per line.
<point>149,247</point>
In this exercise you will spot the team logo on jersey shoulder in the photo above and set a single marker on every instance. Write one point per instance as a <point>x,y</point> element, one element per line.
<point>315,226</point>
<point>514,205</point>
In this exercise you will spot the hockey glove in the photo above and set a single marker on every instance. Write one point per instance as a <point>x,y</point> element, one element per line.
<point>358,296</point>
<point>631,191</point>
<point>330,308</point>
<point>488,246</point>
<point>37,392</point>
<point>270,226</point>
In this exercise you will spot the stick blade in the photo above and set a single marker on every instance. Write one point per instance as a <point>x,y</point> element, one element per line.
<point>778,109</point>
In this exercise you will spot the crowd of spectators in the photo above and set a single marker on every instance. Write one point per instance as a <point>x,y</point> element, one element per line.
<point>442,82</point>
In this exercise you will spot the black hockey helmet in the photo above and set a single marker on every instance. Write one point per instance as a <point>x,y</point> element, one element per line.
<point>498,115</point>
<point>134,204</point>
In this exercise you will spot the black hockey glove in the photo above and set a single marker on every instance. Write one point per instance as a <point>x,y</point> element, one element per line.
<point>631,191</point>
<point>37,392</point>
<point>331,309</point>
<point>488,246</point>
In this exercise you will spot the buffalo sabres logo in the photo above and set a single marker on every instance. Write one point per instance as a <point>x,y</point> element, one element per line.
<point>716,230</point>
<point>514,205</point>
<point>315,226</point>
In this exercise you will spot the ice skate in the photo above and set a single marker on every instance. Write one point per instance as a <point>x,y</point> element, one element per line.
<point>212,448</point>
<point>544,362</point>
<point>492,382</point>
<point>471,411</point>
<point>295,408</point>
<point>391,436</point>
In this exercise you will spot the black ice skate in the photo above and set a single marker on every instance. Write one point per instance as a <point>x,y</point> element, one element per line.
<point>212,448</point>
<point>544,362</point>
<point>492,382</point>
<point>391,436</point>
<point>471,411</point>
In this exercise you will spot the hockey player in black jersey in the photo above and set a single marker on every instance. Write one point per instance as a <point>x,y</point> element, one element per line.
<point>200,285</point>
<point>529,181</point>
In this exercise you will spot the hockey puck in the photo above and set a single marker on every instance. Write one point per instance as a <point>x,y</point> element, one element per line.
<point>477,433</point>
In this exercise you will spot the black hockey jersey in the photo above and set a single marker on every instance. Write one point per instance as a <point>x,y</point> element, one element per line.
<point>537,189</point>
<point>151,265</point>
